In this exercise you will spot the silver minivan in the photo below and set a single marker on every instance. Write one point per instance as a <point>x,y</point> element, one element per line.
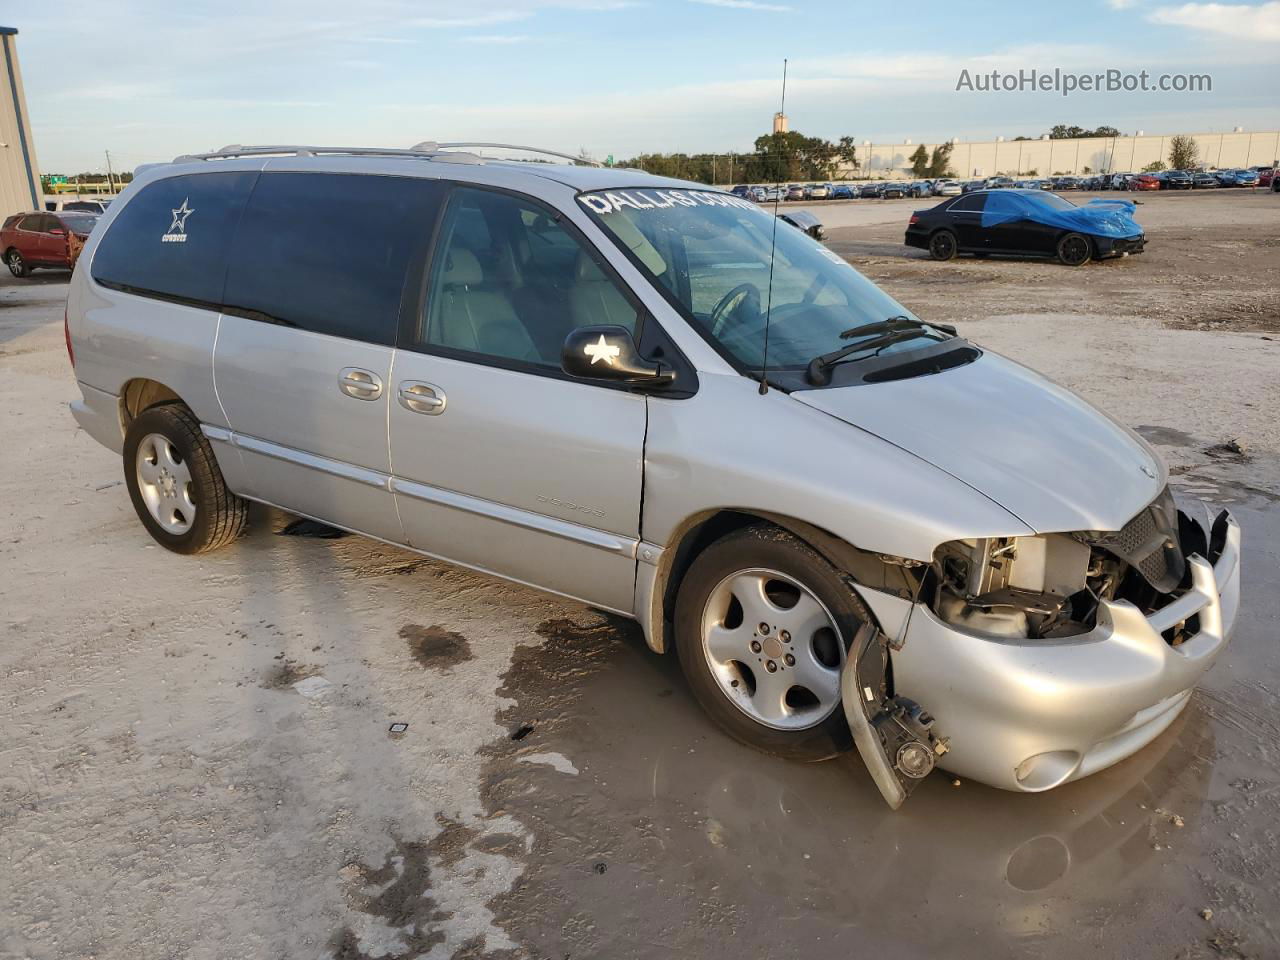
<point>854,527</point>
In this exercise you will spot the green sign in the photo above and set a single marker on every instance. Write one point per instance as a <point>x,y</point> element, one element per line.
<point>608,161</point>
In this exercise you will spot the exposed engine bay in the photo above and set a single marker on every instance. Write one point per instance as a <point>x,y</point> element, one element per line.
<point>1049,586</point>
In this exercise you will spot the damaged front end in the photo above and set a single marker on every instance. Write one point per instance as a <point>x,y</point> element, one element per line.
<point>1051,586</point>
<point>1045,657</point>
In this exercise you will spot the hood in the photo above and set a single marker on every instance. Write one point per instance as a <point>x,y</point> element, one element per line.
<point>1033,447</point>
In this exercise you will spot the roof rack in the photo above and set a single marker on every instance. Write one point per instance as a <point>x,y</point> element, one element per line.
<point>507,146</point>
<point>428,150</point>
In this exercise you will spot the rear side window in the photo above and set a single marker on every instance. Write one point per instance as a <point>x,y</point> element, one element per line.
<point>171,240</point>
<point>329,252</point>
<point>971,203</point>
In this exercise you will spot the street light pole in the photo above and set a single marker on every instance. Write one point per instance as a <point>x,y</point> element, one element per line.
<point>110,184</point>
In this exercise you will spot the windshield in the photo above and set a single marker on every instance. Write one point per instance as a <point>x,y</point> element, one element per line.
<point>710,253</point>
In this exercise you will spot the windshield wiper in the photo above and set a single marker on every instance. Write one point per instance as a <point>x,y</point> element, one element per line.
<point>883,333</point>
<point>882,326</point>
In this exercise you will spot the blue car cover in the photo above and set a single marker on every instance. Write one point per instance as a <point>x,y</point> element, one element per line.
<point>1100,218</point>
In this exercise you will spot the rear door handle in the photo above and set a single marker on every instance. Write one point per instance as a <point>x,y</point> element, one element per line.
<point>361,384</point>
<point>421,397</point>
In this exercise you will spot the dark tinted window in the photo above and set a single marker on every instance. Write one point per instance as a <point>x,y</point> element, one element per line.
<point>34,223</point>
<point>971,202</point>
<point>510,282</point>
<point>329,252</point>
<point>172,238</point>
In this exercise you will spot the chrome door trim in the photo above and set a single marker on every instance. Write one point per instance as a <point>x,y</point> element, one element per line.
<point>629,614</point>
<point>337,468</point>
<point>563,529</point>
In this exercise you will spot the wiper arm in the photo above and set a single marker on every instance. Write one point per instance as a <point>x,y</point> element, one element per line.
<point>894,323</point>
<point>819,371</point>
<point>882,326</point>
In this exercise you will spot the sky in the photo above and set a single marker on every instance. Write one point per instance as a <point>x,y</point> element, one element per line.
<point>151,79</point>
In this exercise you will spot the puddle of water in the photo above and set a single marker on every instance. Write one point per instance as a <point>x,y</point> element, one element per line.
<point>711,849</point>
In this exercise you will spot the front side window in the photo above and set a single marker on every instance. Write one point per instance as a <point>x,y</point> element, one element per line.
<point>715,256</point>
<point>510,282</point>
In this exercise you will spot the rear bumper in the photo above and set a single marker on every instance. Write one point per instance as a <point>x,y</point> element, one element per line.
<point>1028,716</point>
<point>98,413</point>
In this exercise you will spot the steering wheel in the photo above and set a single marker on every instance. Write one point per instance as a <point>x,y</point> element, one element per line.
<point>730,303</point>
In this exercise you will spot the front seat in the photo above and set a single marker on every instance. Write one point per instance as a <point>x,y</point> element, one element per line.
<point>595,299</point>
<point>476,316</point>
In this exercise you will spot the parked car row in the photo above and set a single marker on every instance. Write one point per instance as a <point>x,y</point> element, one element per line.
<point>881,189</point>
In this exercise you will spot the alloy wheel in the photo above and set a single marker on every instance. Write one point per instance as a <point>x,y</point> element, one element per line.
<point>164,480</point>
<point>773,649</point>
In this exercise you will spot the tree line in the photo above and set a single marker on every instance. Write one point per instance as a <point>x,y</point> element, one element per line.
<point>777,158</point>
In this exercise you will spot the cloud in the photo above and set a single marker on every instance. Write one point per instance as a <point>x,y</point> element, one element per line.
<point>1239,21</point>
<point>745,5</point>
<point>1121,4</point>
<point>481,20</point>
<point>495,38</point>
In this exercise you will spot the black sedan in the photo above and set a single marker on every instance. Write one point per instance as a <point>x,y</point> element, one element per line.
<point>1026,223</point>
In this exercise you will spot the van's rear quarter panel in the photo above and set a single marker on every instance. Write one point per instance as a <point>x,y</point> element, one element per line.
<point>120,337</point>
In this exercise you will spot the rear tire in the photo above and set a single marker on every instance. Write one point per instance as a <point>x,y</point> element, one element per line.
<point>794,710</point>
<point>1074,250</point>
<point>17,265</point>
<point>175,484</point>
<point>943,245</point>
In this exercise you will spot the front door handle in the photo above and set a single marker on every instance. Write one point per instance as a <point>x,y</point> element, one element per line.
<point>420,397</point>
<point>361,384</point>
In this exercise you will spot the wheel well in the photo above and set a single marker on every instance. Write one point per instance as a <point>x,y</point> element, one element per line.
<point>699,532</point>
<point>141,394</point>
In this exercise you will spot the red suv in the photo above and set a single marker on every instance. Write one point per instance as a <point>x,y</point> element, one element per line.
<point>31,240</point>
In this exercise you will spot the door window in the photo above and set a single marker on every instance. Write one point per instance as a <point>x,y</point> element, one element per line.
<point>329,252</point>
<point>510,281</point>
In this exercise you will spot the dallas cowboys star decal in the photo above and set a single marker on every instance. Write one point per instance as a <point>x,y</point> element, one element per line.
<point>180,217</point>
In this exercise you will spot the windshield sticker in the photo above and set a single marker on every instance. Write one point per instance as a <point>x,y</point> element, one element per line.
<point>613,201</point>
<point>177,232</point>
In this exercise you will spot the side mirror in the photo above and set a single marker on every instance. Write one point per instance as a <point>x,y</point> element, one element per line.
<point>607,352</point>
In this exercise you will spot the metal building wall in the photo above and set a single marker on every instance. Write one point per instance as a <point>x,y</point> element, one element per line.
<point>19,173</point>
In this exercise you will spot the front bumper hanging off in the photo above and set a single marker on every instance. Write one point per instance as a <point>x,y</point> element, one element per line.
<point>1029,715</point>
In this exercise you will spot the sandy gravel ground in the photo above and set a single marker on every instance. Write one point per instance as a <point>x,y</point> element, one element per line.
<point>196,759</point>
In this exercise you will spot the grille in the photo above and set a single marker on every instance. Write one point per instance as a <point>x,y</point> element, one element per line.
<point>1150,543</point>
<point>1142,542</point>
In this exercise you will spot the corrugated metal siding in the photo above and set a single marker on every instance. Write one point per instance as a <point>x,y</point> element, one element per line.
<point>19,171</point>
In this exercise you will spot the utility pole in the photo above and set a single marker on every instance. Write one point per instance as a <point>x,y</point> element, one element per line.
<point>110,185</point>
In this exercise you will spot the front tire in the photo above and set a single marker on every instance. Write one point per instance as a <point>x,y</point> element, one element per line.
<point>943,245</point>
<point>1074,250</point>
<point>17,265</point>
<point>762,626</point>
<point>175,484</point>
